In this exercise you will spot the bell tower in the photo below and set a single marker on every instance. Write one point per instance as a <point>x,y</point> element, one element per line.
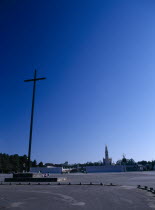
<point>107,160</point>
<point>106,153</point>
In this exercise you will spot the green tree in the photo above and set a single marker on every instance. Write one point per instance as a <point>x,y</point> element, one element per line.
<point>41,164</point>
<point>34,163</point>
<point>14,163</point>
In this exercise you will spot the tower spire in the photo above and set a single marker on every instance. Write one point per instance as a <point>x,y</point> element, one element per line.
<point>107,160</point>
<point>106,153</point>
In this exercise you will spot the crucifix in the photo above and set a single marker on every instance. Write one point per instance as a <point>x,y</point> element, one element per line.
<point>32,114</point>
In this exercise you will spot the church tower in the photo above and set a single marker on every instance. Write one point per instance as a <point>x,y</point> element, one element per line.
<point>107,160</point>
<point>106,153</point>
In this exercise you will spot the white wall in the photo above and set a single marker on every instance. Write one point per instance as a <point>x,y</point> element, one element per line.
<point>45,170</point>
<point>3,176</point>
<point>95,169</point>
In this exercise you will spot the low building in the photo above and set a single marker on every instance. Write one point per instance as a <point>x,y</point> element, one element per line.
<point>141,167</point>
<point>103,169</point>
<point>48,169</point>
<point>132,168</point>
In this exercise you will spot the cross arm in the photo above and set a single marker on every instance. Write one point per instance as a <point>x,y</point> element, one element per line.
<point>30,80</point>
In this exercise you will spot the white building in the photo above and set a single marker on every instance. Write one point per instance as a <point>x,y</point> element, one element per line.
<point>48,169</point>
<point>104,169</point>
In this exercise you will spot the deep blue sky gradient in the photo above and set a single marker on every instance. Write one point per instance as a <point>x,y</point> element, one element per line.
<point>99,60</point>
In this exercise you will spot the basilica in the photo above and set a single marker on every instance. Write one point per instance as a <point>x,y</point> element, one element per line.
<point>106,167</point>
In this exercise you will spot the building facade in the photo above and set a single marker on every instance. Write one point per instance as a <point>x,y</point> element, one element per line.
<point>43,170</point>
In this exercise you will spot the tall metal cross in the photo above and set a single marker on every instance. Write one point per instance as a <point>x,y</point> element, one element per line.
<point>32,114</point>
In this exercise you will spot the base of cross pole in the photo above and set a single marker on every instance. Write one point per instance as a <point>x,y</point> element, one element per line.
<point>30,177</point>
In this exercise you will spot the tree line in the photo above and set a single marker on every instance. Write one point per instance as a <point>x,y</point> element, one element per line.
<point>15,163</point>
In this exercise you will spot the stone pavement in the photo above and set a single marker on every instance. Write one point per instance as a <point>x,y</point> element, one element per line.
<point>55,197</point>
<point>124,195</point>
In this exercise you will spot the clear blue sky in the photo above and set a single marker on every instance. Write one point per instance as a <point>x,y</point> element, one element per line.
<point>99,60</point>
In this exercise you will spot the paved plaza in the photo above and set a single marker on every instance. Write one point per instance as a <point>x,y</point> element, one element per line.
<point>124,195</point>
<point>120,178</point>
